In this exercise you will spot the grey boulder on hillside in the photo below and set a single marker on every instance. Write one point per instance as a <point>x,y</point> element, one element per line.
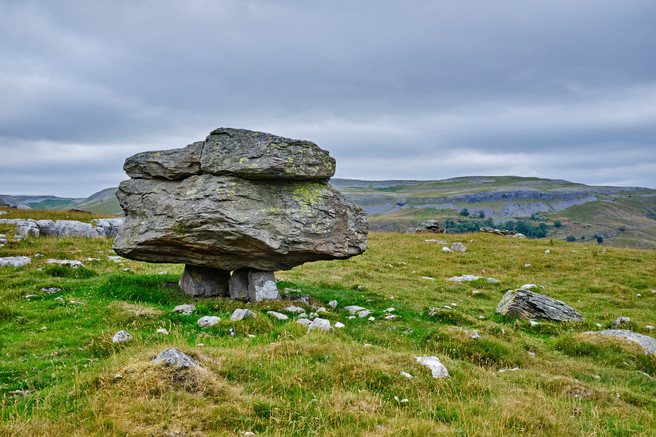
<point>239,200</point>
<point>530,305</point>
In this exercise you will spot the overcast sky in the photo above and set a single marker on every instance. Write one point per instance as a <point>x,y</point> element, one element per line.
<point>392,89</point>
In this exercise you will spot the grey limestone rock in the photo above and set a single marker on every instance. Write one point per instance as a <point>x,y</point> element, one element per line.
<point>255,201</point>
<point>238,284</point>
<point>277,315</point>
<point>620,321</point>
<point>259,155</point>
<point>262,286</point>
<point>206,321</point>
<point>458,247</point>
<point>108,227</point>
<point>527,305</point>
<point>240,314</point>
<point>185,310</point>
<point>648,343</point>
<point>121,336</point>
<point>319,324</point>
<point>172,164</point>
<point>352,309</point>
<point>15,261</point>
<point>174,358</point>
<point>204,282</point>
<point>438,370</point>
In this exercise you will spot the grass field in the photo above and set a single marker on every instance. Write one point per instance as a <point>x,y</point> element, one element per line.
<point>60,373</point>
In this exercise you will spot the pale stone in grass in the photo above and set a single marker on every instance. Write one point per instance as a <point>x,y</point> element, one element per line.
<point>458,247</point>
<point>304,322</point>
<point>66,262</point>
<point>301,298</point>
<point>390,310</point>
<point>121,336</point>
<point>15,261</point>
<point>406,374</point>
<point>528,286</point>
<point>339,325</point>
<point>332,304</point>
<point>436,367</point>
<point>319,324</point>
<point>240,314</point>
<point>51,290</point>
<point>364,313</point>
<point>294,309</point>
<point>206,321</point>
<point>620,321</point>
<point>464,278</point>
<point>185,310</point>
<point>446,249</point>
<point>277,315</point>
<point>162,331</point>
<point>352,309</point>
<point>174,358</point>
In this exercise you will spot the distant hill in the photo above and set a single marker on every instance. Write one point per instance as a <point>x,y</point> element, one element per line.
<point>550,208</point>
<point>103,202</point>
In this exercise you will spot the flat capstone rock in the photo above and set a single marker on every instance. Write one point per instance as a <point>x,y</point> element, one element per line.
<point>172,357</point>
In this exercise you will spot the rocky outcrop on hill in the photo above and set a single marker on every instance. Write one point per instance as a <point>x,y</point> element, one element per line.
<point>65,228</point>
<point>239,200</point>
<point>429,226</point>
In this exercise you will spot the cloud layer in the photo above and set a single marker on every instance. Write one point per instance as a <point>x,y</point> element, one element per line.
<point>394,90</point>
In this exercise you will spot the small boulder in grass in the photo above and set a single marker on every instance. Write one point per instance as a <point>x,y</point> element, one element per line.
<point>277,315</point>
<point>121,336</point>
<point>240,314</point>
<point>206,321</point>
<point>172,357</point>
<point>436,367</point>
<point>185,310</point>
<point>319,324</point>
<point>529,305</point>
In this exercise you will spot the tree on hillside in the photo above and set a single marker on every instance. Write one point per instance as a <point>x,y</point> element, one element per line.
<point>571,238</point>
<point>600,240</point>
<point>557,224</point>
<point>481,214</point>
<point>464,212</point>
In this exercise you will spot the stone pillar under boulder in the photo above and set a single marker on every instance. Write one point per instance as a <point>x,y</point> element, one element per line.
<point>239,284</point>
<point>204,281</point>
<point>262,286</point>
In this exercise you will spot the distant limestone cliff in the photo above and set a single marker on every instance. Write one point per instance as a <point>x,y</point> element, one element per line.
<point>617,216</point>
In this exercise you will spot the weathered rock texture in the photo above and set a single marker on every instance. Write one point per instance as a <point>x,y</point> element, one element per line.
<point>528,305</point>
<point>241,199</point>
<point>648,343</point>
<point>65,228</point>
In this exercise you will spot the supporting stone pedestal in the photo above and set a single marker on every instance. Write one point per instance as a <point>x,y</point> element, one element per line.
<point>204,282</point>
<point>262,286</point>
<point>244,284</point>
<point>238,285</point>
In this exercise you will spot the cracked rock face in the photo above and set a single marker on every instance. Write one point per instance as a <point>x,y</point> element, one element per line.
<point>240,199</point>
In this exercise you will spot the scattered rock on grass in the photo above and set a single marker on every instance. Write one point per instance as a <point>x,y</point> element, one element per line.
<point>332,304</point>
<point>294,309</point>
<point>185,310</point>
<point>206,321</point>
<point>353,309</point>
<point>277,315</point>
<point>66,262</point>
<point>438,369</point>
<point>304,322</point>
<point>620,321</point>
<point>121,336</point>
<point>174,358</point>
<point>339,325</point>
<point>458,247</point>
<point>162,331</point>
<point>240,314</point>
<point>15,261</point>
<point>531,305</point>
<point>319,324</point>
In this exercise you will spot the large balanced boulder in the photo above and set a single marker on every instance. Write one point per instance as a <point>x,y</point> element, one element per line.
<point>239,200</point>
<point>529,305</point>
